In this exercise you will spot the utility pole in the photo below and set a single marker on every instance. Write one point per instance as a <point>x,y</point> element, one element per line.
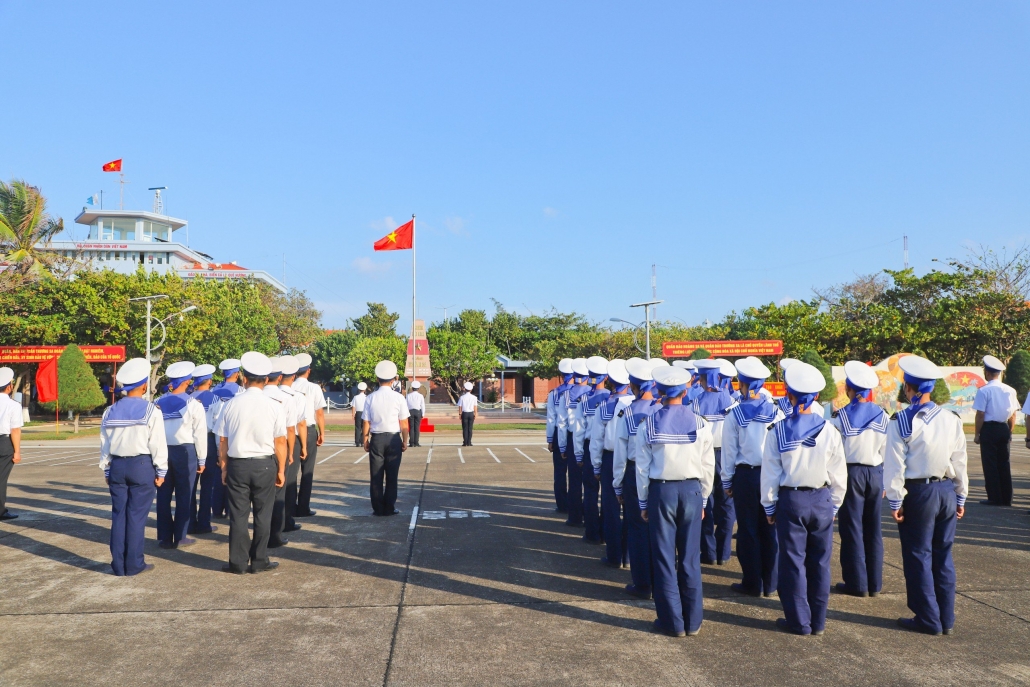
<point>906,252</point>
<point>647,326</point>
<point>654,290</point>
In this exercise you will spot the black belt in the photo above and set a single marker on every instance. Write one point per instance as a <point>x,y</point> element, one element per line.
<point>746,466</point>
<point>671,481</point>
<point>804,488</point>
<point>924,480</point>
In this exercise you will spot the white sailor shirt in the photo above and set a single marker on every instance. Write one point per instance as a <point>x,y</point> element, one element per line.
<point>552,414</point>
<point>865,448</point>
<point>997,401</point>
<point>358,402</point>
<point>676,461</point>
<point>805,466</point>
<point>11,416</point>
<point>314,398</point>
<point>936,447</point>
<point>384,411</point>
<point>136,440</point>
<point>190,428</point>
<point>251,423</point>
<point>743,445</point>
<point>298,402</point>
<point>416,401</point>
<point>602,432</point>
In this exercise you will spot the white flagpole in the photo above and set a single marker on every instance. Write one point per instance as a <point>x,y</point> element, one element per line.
<point>414,351</point>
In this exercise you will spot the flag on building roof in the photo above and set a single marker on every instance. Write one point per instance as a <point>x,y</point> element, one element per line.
<point>401,238</point>
<point>92,200</point>
<point>113,166</point>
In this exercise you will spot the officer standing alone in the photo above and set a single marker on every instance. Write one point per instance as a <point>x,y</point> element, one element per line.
<point>11,422</point>
<point>417,410</point>
<point>385,434</point>
<point>357,407</point>
<point>468,411</point>
<point>995,405</point>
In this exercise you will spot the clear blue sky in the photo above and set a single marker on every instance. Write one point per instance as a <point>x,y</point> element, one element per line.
<point>552,151</point>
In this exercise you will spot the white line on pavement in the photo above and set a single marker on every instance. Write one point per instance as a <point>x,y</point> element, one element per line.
<point>494,455</point>
<point>96,458</point>
<point>360,459</point>
<point>332,456</point>
<point>525,456</point>
<point>47,462</point>
<point>414,518</point>
<point>461,457</point>
<point>429,458</point>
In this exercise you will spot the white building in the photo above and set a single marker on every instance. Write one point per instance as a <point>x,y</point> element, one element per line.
<point>122,240</point>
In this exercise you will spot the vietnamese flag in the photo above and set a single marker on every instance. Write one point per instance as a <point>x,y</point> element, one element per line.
<point>46,381</point>
<point>113,166</point>
<point>401,238</point>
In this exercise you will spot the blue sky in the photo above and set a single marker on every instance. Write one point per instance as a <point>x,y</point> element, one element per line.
<point>552,151</point>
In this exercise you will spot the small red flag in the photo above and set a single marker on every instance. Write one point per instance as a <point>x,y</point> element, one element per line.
<point>46,381</point>
<point>401,238</point>
<point>113,166</point>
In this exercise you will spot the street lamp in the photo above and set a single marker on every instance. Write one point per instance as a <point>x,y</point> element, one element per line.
<point>153,322</point>
<point>635,328</point>
<point>647,323</point>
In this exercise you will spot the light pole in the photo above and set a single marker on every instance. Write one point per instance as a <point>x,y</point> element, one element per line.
<point>153,322</point>
<point>635,328</point>
<point>647,323</point>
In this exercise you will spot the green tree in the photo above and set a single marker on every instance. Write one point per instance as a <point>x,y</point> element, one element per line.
<point>329,354</point>
<point>941,394</point>
<point>25,229</point>
<point>1017,374</point>
<point>295,317</point>
<point>362,359</point>
<point>828,392</point>
<point>700,354</point>
<point>457,357</point>
<point>378,322</point>
<point>78,390</point>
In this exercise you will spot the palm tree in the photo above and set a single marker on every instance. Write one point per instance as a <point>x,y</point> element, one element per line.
<point>25,227</point>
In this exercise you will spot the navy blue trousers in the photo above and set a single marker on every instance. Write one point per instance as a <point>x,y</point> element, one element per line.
<point>638,539</point>
<point>717,528</point>
<point>804,524</point>
<point>561,487</point>
<point>201,505</point>
<point>132,492</point>
<point>575,483</point>
<point>861,537</point>
<point>674,514</point>
<point>612,522</point>
<point>591,498</point>
<point>926,538</point>
<point>182,471</point>
<point>757,548</point>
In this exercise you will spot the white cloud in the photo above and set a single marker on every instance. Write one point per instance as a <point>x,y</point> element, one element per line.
<point>369,266</point>
<point>785,300</point>
<point>455,225</point>
<point>550,212</point>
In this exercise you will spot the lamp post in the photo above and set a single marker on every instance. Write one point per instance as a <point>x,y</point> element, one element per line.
<point>153,322</point>
<point>635,328</point>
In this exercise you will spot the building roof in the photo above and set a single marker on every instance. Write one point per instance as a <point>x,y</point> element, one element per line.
<point>89,216</point>
<point>512,364</point>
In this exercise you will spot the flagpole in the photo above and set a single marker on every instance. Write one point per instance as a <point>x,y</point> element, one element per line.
<point>414,352</point>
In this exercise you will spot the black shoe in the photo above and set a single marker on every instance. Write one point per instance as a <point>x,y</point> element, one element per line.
<point>785,626</point>
<point>818,633</point>
<point>608,564</point>
<point>394,512</point>
<point>271,566</point>
<point>746,591</point>
<point>949,630</point>
<point>707,561</point>
<point>720,562</point>
<point>657,627</point>
<point>913,625</point>
<point>309,514</point>
<point>632,590</point>
<point>166,545</point>
<point>186,541</point>
<point>842,588</point>
<point>988,502</point>
<point>291,529</point>
<point>277,544</point>
<point>767,595</point>
<point>874,594</point>
<point>8,515</point>
<point>227,568</point>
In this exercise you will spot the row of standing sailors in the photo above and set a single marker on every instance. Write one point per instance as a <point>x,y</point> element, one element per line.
<point>659,462</point>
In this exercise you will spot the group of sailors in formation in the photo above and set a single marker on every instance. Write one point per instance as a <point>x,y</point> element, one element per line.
<point>658,462</point>
<point>207,451</point>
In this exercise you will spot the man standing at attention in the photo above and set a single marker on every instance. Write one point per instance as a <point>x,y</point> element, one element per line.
<point>314,416</point>
<point>995,405</point>
<point>357,407</point>
<point>417,409</point>
<point>11,422</point>
<point>468,410</point>
<point>385,437</point>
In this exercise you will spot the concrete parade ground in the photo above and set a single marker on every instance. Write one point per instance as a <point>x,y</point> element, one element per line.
<point>484,585</point>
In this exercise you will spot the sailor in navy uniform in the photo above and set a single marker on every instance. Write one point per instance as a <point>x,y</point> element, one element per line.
<point>675,468</point>
<point>727,372</point>
<point>744,434</point>
<point>696,388</point>
<point>186,433</point>
<point>585,417</point>
<point>713,405</point>
<point>602,454</point>
<point>804,478</point>
<point>209,480</point>
<point>783,402</point>
<point>134,458</point>
<point>556,436</point>
<point>924,471</point>
<point>995,404</point>
<point>628,420</point>
<point>569,402</point>
<point>230,368</point>
<point>863,428</point>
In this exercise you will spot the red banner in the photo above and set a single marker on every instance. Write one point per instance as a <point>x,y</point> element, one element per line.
<point>731,349</point>
<point>39,354</point>
<point>46,381</point>
<point>777,389</point>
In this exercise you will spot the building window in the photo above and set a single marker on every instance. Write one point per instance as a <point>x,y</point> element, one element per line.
<point>150,258</point>
<point>108,229</point>
<point>156,230</point>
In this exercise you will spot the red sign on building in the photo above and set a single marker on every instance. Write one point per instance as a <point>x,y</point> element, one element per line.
<point>39,354</point>
<point>731,349</point>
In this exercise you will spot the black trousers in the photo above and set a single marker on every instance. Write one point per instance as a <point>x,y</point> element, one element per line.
<point>384,462</point>
<point>995,442</point>
<point>250,486</point>
<point>467,419</point>
<point>414,424</point>
<point>307,473</point>
<point>282,513</point>
<point>357,429</point>
<point>6,465</point>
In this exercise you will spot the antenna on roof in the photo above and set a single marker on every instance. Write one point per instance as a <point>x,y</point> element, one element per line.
<point>159,206</point>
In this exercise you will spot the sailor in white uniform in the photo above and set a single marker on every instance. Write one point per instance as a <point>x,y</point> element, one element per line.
<point>675,469</point>
<point>570,401</point>
<point>995,404</point>
<point>296,401</point>
<point>783,402</point>
<point>385,431</point>
<point>713,405</point>
<point>186,432</point>
<point>924,471</point>
<point>224,392</point>
<point>417,409</point>
<point>314,416</point>
<point>585,417</point>
<point>863,429</point>
<point>134,458</point>
<point>744,434</point>
<point>209,480</point>
<point>286,408</point>
<point>556,436</point>
<point>468,410</point>
<point>357,407</point>
<point>11,422</point>
<point>602,454</point>
<point>804,478</point>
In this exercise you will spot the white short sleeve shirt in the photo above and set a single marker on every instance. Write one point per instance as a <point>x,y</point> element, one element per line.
<point>385,409</point>
<point>10,414</point>
<point>467,402</point>
<point>997,401</point>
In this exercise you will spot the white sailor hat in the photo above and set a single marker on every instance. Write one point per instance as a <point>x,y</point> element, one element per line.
<point>579,367</point>
<point>362,386</point>
<point>752,368</point>
<point>303,361</point>
<point>416,385</point>
<point>659,362</point>
<point>919,368</point>
<point>669,375</point>
<point>468,386</point>
<point>597,365</point>
<point>860,375</point>
<point>276,364</point>
<point>386,370</point>
<point>229,364</point>
<point>256,364</point>
<point>177,372</point>
<point>133,371</point>
<point>684,364</point>
<point>565,366</point>
<point>726,368</point>
<point>706,364</point>
<point>6,375</point>
<point>787,362</point>
<point>617,371</point>
<point>992,363</point>
<point>204,370</point>
<point>288,365</point>
<point>803,378</point>
<point>639,369</point>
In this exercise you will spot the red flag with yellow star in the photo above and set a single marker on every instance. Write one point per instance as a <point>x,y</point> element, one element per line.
<point>113,166</point>
<point>401,238</point>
